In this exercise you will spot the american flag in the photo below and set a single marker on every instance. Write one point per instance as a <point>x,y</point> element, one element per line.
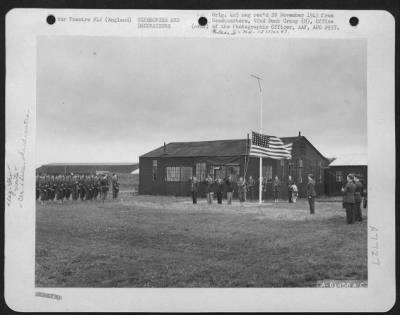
<point>269,146</point>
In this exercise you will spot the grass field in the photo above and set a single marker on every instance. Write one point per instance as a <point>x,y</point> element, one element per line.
<point>152,241</point>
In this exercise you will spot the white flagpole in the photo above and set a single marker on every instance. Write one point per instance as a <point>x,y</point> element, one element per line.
<point>261,129</point>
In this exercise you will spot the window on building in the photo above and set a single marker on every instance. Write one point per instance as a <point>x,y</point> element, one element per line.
<point>282,169</point>
<point>339,176</point>
<point>201,171</point>
<point>173,174</point>
<point>320,170</point>
<point>178,174</point>
<point>186,173</point>
<point>233,170</point>
<point>300,171</point>
<point>154,169</point>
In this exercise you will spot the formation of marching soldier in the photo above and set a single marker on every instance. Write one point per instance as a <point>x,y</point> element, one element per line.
<point>63,187</point>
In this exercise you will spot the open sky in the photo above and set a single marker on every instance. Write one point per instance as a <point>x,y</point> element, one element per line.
<point>103,99</point>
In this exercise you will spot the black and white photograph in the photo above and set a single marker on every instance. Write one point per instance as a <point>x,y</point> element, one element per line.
<point>148,162</point>
<point>221,161</point>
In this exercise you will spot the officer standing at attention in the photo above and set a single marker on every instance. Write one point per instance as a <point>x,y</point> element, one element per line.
<point>96,186</point>
<point>81,186</point>
<point>43,187</point>
<point>219,188</point>
<point>348,198</point>
<point>209,183</point>
<point>51,187</point>
<point>194,188</point>
<point>75,187</point>
<point>311,193</point>
<point>241,189</point>
<point>290,188</point>
<point>68,186</point>
<point>229,188</point>
<point>357,199</point>
<point>251,185</point>
<point>115,185</point>
<point>104,187</point>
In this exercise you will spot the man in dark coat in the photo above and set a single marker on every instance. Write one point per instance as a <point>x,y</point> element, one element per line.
<point>311,193</point>
<point>75,187</point>
<point>251,186</point>
<point>194,188</point>
<point>357,199</point>
<point>209,187</point>
<point>115,185</point>
<point>348,198</point>
<point>242,189</point>
<point>229,188</point>
<point>104,187</point>
<point>365,197</point>
<point>276,184</point>
<point>219,186</point>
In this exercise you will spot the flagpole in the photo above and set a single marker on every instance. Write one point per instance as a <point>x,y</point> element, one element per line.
<point>261,129</point>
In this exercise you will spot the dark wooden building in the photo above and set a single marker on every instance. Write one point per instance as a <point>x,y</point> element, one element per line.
<point>167,169</point>
<point>341,167</point>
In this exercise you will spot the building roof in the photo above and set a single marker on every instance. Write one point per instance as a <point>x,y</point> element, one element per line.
<point>351,160</point>
<point>207,148</point>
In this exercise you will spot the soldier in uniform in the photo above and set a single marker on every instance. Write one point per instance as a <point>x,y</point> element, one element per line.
<point>194,188</point>
<point>241,189</point>
<point>348,198</point>
<point>96,186</point>
<point>82,187</point>
<point>209,183</point>
<point>104,187</point>
<point>229,188</point>
<point>251,187</point>
<point>264,188</point>
<point>357,199</point>
<point>43,188</point>
<point>311,193</point>
<point>290,188</point>
<point>365,197</point>
<point>51,186</point>
<point>219,185</point>
<point>59,182</point>
<point>115,185</point>
<point>68,186</point>
<point>89,187</point>
<point>276,184</point>
<point>75,186</point>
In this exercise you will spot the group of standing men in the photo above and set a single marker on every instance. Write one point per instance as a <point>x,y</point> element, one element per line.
<point>62,187</point>
<point>216,186</point>
<point>244,188</point>
<point>353,192</point>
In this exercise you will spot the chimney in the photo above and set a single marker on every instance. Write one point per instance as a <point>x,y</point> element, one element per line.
<point>299,133</point>
<point>165,148</point>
